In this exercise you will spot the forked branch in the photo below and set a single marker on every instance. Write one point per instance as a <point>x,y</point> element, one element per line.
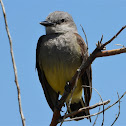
<point>98,52</point>
<point>82,117</point>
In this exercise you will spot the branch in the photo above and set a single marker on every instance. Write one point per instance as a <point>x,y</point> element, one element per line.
<point>96,118</point>
<point>113,37</point>
<point>14,64</point>
<point>89,107</point>
<point>111,52</point>
<point>69,86</point>
<point>70,99</point>
<point>85,36</point>
<point>82,117</point>
<point>118,112</point>
<point>101,101</point>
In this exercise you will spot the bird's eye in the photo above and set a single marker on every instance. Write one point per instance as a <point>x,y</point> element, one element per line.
<point>62,20</point>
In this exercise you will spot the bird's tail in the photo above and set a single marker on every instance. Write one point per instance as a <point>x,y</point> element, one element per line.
<point>77,106</point>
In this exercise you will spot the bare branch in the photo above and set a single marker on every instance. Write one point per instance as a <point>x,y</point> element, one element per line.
<point>63,118</point>
<point>106,43</point>
<point>83,109</point>
<point>118,112</point>
<point>14,64</point>
<point>101,39</point>
<point>85,36</point>
<point>96,118</point>
<point>79,73</point>
<point>82,117</point>
<point>100,98</point>
<point>70,99</point>
<point>120,45</point>
<point>111,52</point>
<point>73,91</point>
<point>89,107</point>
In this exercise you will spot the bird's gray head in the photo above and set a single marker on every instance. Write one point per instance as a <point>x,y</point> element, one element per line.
<point>59,22</point>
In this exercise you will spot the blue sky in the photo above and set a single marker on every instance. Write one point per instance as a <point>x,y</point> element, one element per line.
<point>97,17</point>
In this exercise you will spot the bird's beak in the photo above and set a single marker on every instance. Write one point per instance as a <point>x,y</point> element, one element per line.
<point>46,23</point>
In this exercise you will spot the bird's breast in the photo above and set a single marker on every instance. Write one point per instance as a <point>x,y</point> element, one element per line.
<point>60,58</point>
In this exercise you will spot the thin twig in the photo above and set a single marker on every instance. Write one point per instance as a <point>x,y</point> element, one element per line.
<point>100,98</point>
<point>70,99</point>
<point>89,107</point>
<point>85,36</point>
<point>118,112</point>
<point>120,45</point>
<point>96,118</point>
<point>106,43</point>
<point>82,109</point>
<point>14,64</point>
<point>82,117</point>
<point>63,118</point>
<point>101,39</point>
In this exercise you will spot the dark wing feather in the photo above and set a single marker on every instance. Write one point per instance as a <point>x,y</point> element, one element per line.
<point>50,94</point>
<point>87,76</point>
<point>87,80</point>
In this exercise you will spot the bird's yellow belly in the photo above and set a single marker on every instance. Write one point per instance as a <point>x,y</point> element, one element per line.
<point>59,74</point>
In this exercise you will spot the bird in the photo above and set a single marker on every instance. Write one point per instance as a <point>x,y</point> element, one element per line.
<point>59,54</point>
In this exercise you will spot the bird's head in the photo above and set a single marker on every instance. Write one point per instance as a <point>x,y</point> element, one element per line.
<point>59,22</point>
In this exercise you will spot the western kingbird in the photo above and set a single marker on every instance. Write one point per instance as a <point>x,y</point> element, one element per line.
<point>59,54</point>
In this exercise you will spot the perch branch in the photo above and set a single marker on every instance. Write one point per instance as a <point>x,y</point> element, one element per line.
<point>70,99</point>
<point>14,64</point>
<point>99,96</point>
<point>82,117</point>
<point>79,73</point>
<point>83,109</point>
<point>89,107</point>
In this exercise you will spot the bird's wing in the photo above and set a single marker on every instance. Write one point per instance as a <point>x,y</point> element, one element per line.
<point>50,94</point>
<point>87,76</point>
